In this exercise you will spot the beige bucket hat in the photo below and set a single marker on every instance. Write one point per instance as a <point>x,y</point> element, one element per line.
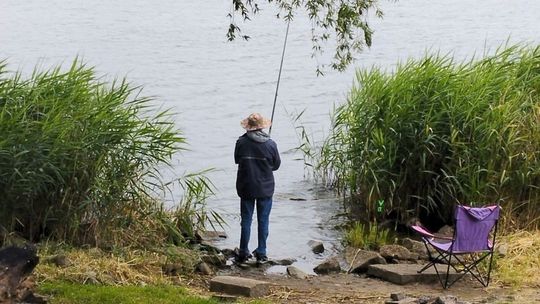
<point>255,121</point>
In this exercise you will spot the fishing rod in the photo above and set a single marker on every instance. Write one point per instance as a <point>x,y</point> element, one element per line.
<point>279,75</point>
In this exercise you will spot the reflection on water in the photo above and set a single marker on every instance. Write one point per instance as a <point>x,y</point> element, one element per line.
<point>178,51</point>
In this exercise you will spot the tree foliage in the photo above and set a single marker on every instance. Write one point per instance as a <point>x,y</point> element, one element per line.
<point>346,21</point>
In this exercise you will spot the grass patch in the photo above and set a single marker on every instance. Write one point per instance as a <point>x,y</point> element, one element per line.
<point>116,267</point>
<point>367,236</point>
<point>521,265</point>
<point>65,292</point>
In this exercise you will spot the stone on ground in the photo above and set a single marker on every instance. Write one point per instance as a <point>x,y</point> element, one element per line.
<point>402,301</point>
<point>282,262</point>
<point>407,273</point>
<point>397,252</point>
<point>448,299</point>
<point>210,235</point>
<point>214,259</point>
<point>358,260</point>
<point>295,272</point>
<point>501,249</point>
<point>316,246</point>
<point>415,247</point>
<point>16,265</point>
<point>239,286</point>
<point>204,268</point>
<point>225,298</point>
<point>329,266</point>
<point>397,296</point>
<point>59,260</point>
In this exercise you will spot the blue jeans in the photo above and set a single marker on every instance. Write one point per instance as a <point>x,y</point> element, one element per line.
<point>264,205</point>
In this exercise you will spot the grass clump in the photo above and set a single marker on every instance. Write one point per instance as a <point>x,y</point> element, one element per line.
<point>521,264</point>
<point>367,236</point>
<point>65,292</point>
<point>436,132</point>
<point>115,267</point>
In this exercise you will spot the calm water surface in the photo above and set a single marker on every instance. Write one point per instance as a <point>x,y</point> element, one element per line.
<point>177,50</point>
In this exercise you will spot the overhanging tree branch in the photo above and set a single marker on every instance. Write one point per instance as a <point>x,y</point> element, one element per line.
<point>346,21</point>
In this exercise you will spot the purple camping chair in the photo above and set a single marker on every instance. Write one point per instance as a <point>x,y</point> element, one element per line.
<point>473,242</point>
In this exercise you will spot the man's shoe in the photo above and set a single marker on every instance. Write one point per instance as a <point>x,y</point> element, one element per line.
<point>261,258</point>
<point>240,259</point>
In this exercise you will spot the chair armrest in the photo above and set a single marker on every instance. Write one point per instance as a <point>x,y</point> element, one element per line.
<point>428,234</point>
<point>443,237</point>
<point>422,231</point>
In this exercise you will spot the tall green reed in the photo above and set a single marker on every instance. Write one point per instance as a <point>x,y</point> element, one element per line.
<point>436,132</point>
<point>191,214</point>
<point>79,157</point>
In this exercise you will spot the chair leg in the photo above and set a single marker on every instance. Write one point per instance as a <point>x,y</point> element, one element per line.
<point>443,257</point>
<point>440,257</point>
<point>489,268</point>
<point>430,258</point>
<point>473,270</point>
<point>448,271</point>
<point>476,273</point>
<point>446,258</point>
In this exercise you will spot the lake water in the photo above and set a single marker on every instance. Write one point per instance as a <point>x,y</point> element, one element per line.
<point>178,51</point>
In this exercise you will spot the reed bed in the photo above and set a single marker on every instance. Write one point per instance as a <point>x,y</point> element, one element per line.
<point>80,162</point>
<point>436,132</point>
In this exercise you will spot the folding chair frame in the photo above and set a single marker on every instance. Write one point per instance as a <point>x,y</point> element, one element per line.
<point>445,257</point>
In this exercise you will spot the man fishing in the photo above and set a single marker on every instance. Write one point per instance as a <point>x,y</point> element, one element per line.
<point>257,157</point>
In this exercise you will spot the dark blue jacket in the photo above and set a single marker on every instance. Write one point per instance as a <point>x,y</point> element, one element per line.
<point>257,156</point>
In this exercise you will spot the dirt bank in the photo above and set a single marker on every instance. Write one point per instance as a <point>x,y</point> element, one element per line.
<point>347,288</point>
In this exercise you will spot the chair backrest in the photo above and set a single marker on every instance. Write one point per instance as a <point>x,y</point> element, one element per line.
<point>473,226</point>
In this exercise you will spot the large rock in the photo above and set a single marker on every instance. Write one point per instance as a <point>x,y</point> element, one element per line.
<point>397,252</point>
<point>415,247</point>
<point>358,260</point>
<point>16,264</point>
<point>329,266</point>
<point>239,286</point>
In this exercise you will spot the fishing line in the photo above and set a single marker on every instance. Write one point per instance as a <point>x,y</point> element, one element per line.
<point>279,76</point>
